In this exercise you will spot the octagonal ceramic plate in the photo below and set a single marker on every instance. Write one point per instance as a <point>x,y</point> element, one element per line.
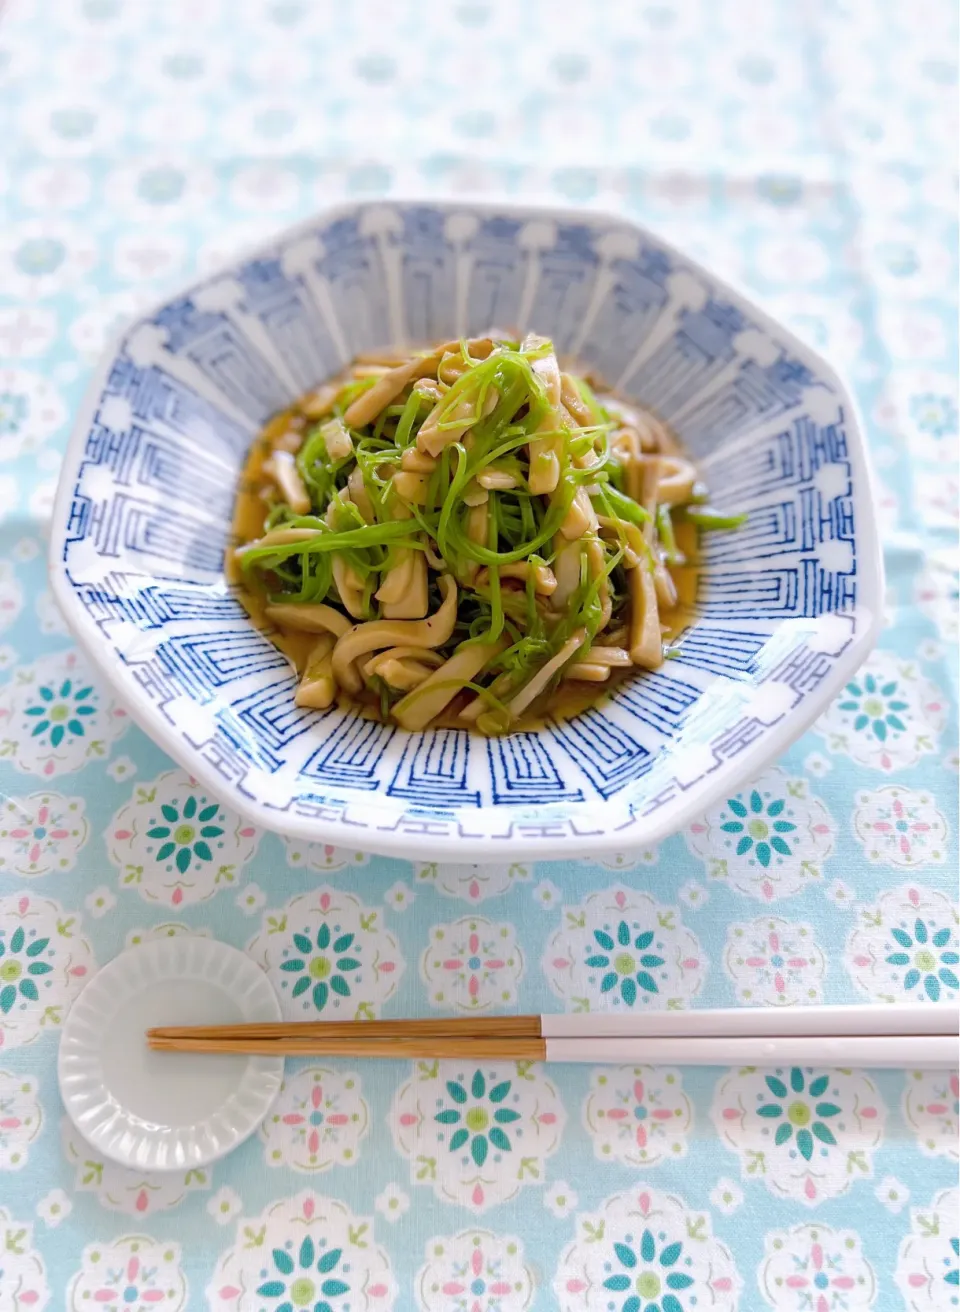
<point>787,607</point>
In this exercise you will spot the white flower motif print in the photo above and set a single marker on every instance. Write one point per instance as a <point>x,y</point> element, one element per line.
<point>176,844</point>
<point>900,826</point>
<point>321,856</point>
<point>931,1107</point>
<point>774,962</point>
<point>44,963</point>
<point>645,856</point>
<point>472,883</point>
<point>41,833</point>
<point>301,1252</point>
<point>472,964</point>
<point>23,1277</point>
<point>637,1115</point>
<point>928,1260</point>
<point>54,1207</point>
<point>892,1194</point>
<point>54,717</point>
<point>621,949</point>
<point>121,1189</point>
<point>224,1206</point>
<point>11,596</point>
<point>251,899</point>
<point>21,1118</point>
<point>768,842</point>
<point>169,929</point>
<point>399,896</point>
<point>906,947</point>
<point>132,1272</point>
<point>100,318</point>
<point>392,1203</point>
<point>693,895</point>
<point>145,255</point>
<point>49,616</point>
<point>937,492</point>
<point>937,593</point>
<point>121,768</point>
<point>477,1133</point>
<point>325,953</point>
<point>26,330</point>
<point>841,894</point>
<point>726,1196</point>
<point>560,1200</point>
<point>474,1271</point>
<point>41,257</point>
<point>887,717</point>
<point>317,1122</point>
<point>546,894</point>
<point>812,1268</point>
<point>807,1134</point>
<point>644,1250</point>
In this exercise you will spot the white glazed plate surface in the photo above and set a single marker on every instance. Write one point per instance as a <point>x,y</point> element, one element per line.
<point>787,607</point>
<point>157,1110</point>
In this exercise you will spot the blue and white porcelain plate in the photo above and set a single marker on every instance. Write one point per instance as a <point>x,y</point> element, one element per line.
<point>787,607</point>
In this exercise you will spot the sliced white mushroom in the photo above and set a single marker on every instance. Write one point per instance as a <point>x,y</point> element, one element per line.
<point>614,656</point>
<point>496,480</point>
<point>677,477</point>
<point>317,687</point>
<point>311,617</point>
<point>359,494</point>
<point>415,462</point>
<point>588,671</point>
<point>535,686</point>
<point>282,468</point>
<point>570,395</point>
<point>474,494</point>
<point>336,439</point>
<point>646,645</point>
<point>404,593</point>
<point>581,518</point>
<point>416,710</point>
<point>387,388</point>
<point>279,537</point>
<point>412,488</point>
<point>320,402</point>
<point>544,579</point>
<point>376,634</point>
<point>289,440</point>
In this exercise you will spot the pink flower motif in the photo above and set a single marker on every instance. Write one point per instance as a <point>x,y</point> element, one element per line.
<point>476,964</point>
<point>131,1285</point>
<point>317,1120</point>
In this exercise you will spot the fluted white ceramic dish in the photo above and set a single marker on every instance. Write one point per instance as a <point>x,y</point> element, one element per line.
<point>787,607</point>
<point>162,1111</point>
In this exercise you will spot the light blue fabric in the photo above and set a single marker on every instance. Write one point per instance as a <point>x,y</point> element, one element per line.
<point>800,150</point>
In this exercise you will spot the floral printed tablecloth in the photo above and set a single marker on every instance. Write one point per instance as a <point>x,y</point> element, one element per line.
<point>803,149</point>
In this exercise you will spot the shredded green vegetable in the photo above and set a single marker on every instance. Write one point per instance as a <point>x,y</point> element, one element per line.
<point>479,461</point>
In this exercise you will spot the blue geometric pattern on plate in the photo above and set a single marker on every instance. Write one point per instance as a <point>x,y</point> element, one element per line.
<point>786,607</point>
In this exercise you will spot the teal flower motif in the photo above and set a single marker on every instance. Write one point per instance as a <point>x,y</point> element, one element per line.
<point>876,706</point>
<point>39,255</point>
<point>20,969</point>
<point>649,1275</point>
<point>760,825</point>
<point>934,414</point>
<point>928,956</point>
<point>953,1275</point>
<point>61,711</point>
<point>626,961</point>
<point>13,412</point>
<point>801,1111</point>
<point>186,833</point>
<point>479,1117</point>
<point>304,1281</point>
<point>325,967</point>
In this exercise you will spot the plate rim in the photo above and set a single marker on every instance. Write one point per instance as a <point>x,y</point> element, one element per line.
<point>267,1072</point>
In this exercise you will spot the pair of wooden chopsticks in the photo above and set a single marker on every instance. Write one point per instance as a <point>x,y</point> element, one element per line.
<point>899,1036</point>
